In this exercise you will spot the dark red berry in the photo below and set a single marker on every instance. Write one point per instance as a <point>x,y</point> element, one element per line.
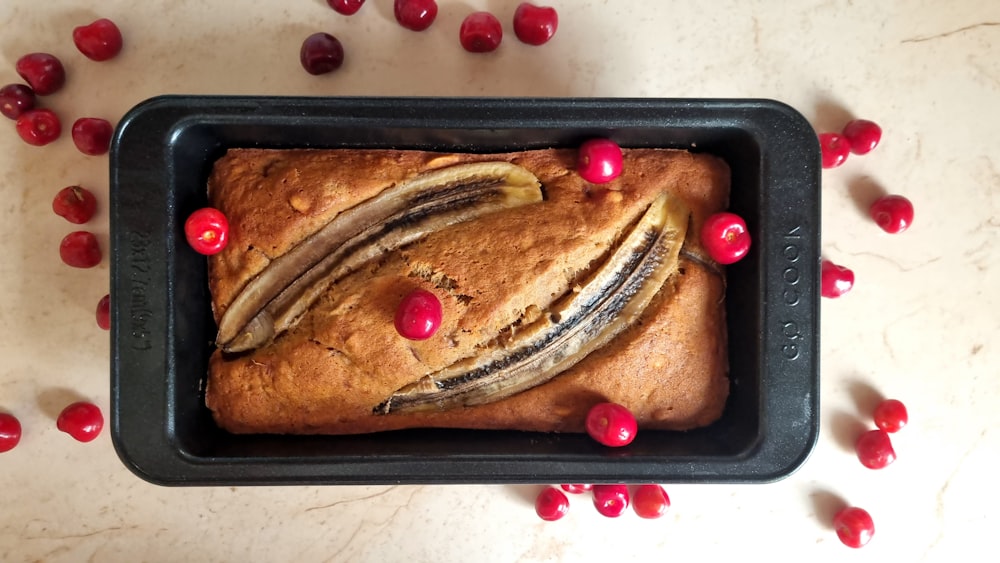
<point>104,312</point>
<point>854,526</point>
<point>890,415</point>
<point>346,7</point>
<point>650,501</point>
<point>15,99</point>
<point>10,432</point>
<point>38,127</point>
<point>418,315</point>
<point>92,135</point>
<point>599,161</point>
<point>75,204</point>
<point>835,280</point>
<point>611,500</point>
<point>551,504</point>
<point>480,32</point>
<point>42,71</point>
<point>834,149</point>
<point>611,424</point>
<point>893,213</point>
<point>98,41</point>
<point>576,489</point>
<point>207,231</point>
<point>416,15</point>
<point>80,250</point>
<point>875,450</point>
<point>83,421</point>
<point>321,53</point>
<point>725,237</point>
<point>535,25</point>
<point>862,135</point>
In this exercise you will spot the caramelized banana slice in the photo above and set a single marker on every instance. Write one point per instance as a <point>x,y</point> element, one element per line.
<point>612,299</point>
<point>274,300</point>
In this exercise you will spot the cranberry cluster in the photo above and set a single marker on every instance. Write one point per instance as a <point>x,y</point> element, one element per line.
<point>648,500</point>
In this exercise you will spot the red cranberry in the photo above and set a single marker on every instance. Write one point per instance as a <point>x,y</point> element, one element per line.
<point>75,204</point>
<point>346,7</point>
<point>893,213</point>
<point>611,424</point>
<point>854,526</point>
<point>611,500</point>
<point>42,71</point>
<point>15,99</point>
<point>599,161</point>
<point>321,53</point>
<point>104,312</point>
<point>551,504</point>
<point>416,15</point>
<point>576,489</point>
<point>98,41</point>
<point>875,450</point>
<point>725,237</point>
<point>418,315</point>
<point>38,127</point>
<point>835,280</point>
<point>83,421</point>
<point>891,416</point>
<point>834,148</point>
<point>535,25</point>
<point>207,231</point>
<point>92,135</point>
<point>650,501</point>
<point>10,432</point>
<point>80,250</point>
<point>480,32</point>
<point>862,135</point>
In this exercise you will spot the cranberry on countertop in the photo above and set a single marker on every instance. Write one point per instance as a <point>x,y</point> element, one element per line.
<point>891,415</point>
<point>80,249</point>
<point>10,432</point>
<point>611,500</point>
<point>834,149</point>
<point>862,135</point>
<point>15,99</point>
<point>42,71</point>
<point>321,53</point>
<point>415,15</point>
<point>83,421</point>
<point>92,135</point>
<point>551,504</point>
<point>76,204</point>
<point>98,41</point>
<point>480,32</point>
<point>854,526</point>
<point>892,213</point>
<point>346,7</point>
<point>38,127</point>
<point>535,25</point>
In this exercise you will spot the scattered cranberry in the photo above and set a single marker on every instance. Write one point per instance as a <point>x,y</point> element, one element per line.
<point>92,135</point>
<point>611,424</point>
<point>75,204</point>
<point>418,315</point>
<point>104,312</point>
<point>611,500</point>
<point>650,501</point>
<point>835,280</point>
<point>535,25</point>
<point>207,231</point>
<point>10,432</point>
<point>38,127</point>
<point>599,161</point>
<point>346,7</point>
<point>480,32</point>
<point>80,250</point>
<point>874,449</point>
<point>83,421</point>
<point>416,15</point>
<point>551,504</point>
<point>725,237</point>
<point>862,135</point>
<point>98,41</point>
<point>42,71</point>
<point>576,489</point>
<point>894,213</point>
<point>15,99</point>
<point>321,53</point>
<point>834,148</point>
<point>891,416</point>
<point>854,526</point>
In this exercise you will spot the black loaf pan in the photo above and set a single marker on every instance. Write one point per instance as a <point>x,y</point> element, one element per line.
<point>162,329</point>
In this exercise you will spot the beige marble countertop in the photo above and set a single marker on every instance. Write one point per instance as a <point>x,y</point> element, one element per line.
<point>920,325</point>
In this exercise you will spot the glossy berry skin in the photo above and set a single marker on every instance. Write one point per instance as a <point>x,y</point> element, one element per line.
<point>893,213</point>
<point>418,315</point>
<point>854,526</point>
<point>611,500</point>
<point>15,99</point>
<point>92,135</point>
<point>834,149</point>
<point>104,313</point>
<point>83,421</point>
<point>650,501</point>
<point>599,161</point>
<point>576,489</point>
<point>835,280</point>
<point>346,7</point>
<point>38,127</point>
<point>42,71</point>
<point>98,41</point>
<point>890,415</point>
<point>75,204</point>
<point>725,237</point>
<point>10,432</point>
<point>416,15</point>
<point>79,249</point>
<point>207,231</point>
<point>862,135</point>
<point>611,424</point>
<point>874,449</point>
<point>480,32</point>
<point>535,25</point>
<point>551,504</point>
<point>321,53</point>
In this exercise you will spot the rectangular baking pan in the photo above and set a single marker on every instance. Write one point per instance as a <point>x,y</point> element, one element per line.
<point>162,328</point>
